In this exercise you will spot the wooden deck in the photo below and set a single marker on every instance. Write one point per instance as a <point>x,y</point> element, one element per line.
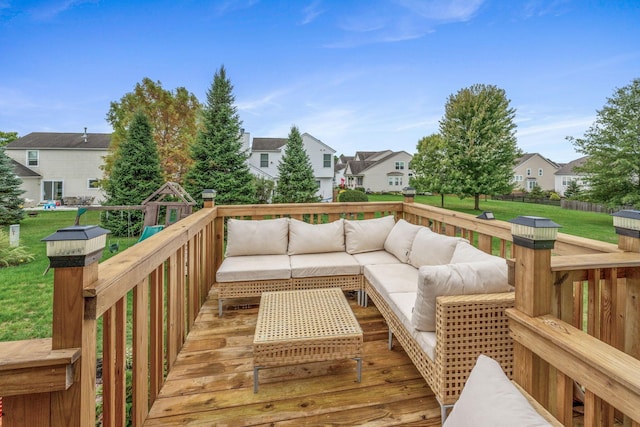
<point>212,380</point>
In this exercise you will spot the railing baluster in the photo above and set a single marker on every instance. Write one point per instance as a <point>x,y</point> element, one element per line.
<point>140,367</point>
<point>157,332</point>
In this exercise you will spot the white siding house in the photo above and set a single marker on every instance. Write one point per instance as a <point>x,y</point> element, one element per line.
<point>266,154</point>
<point>566,174</point>
<point>533,169</point>
<point>380,171</point>
<point>57,165</point>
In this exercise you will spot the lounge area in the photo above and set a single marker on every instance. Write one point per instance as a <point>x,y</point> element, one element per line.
<point>572,323</point>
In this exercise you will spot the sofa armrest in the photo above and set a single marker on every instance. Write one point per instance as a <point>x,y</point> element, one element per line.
<point>467,326</point>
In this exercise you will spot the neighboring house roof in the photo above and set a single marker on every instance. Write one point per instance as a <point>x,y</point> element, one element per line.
<point>268,144</point>
<point>23,171</point>
<point>53,140</point>
<point>567,169</point>
<point>357,167</point>
<point>527,156</point>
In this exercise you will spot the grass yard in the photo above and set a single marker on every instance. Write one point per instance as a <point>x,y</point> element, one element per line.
<point>26,292</point>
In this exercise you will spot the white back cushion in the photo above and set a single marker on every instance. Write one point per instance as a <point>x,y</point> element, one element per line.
<point>455,279</point>
<point>307,238</point>
<point>466,252</point>
<point>489,399</point>
<point>257,237</point>
<point>400,239</point>
<point>367,235</point>
<point>431,248</point>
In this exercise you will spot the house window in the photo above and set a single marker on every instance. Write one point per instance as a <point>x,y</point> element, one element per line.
<point>359,181</point>
<point>528,172</point>
<point>398,180</point>
<point>33,158</point>
<point>52,190</point>
<point>531,185</point>
<point>327,160</point>
<point>92,183</point>
<point>540,172</point>
<point>390,180</point>
<point>399,166</point>
<point>264,160</point>
<point>518,178</point>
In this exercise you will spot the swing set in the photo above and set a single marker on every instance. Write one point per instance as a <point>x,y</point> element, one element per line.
<point>177,204</point>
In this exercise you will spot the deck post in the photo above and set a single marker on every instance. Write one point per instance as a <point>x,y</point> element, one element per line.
<point>209,198</point>
<point>627,226</point>
<point>533,240</point>
<point>74,253</point>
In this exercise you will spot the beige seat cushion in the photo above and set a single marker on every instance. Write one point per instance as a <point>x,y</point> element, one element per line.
<point>257,237</point>
<point>326,264</point>
<point>489,399</point>
<point>307,238</point>
<point>431,248</point>
<point>375,257</point>
<point>455,279</point>
<point>401,303</point>
<point>465,252</point>
<point>254,267</point>
<point>368,234</point>
<point>390,278</point>
<point>400,239</point>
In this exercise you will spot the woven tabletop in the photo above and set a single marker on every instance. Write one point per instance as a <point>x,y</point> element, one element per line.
<point>305,325</point>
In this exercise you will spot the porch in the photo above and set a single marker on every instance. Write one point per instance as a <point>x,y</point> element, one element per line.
<point>183,364</point>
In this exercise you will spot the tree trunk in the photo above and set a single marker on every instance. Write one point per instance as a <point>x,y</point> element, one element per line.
<point>442,200</point>
<point>476,204</point>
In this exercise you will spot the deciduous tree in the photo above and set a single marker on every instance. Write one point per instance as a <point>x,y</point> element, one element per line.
<point>430,166</point>
<point>174,121</point>
<point>7,137</point>
<point>219,162</point>
<point>613,145</point>
<point>480,144</point>
<point>296,182</point>
<point>136,175</point>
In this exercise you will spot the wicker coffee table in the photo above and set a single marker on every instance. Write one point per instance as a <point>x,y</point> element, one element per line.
<point>305,326</point>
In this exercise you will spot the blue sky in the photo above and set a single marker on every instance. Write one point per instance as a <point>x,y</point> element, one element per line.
<point>359,75</point>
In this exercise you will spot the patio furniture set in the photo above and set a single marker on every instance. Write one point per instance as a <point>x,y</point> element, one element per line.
<point>443,299</point>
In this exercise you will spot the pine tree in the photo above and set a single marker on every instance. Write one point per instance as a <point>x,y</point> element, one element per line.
<point>296,183</point>
<point>10,201</point>
<point>136,175</point>
<point>219,161</point>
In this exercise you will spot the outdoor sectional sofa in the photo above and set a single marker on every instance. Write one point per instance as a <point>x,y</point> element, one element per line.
<point>442,298</point>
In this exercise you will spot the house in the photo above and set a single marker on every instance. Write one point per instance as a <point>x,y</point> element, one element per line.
<point>339,170</point>
<point>266,153</point>
<point>379,171</point>
<point>56,165</point>
<point>533,169</point>
<point>566,174</point>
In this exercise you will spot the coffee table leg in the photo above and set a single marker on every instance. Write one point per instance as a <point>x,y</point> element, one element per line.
<point>255,378</point>
<point>359,367</point>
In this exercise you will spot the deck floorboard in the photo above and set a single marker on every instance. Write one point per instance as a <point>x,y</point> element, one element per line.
<point>211,383</point>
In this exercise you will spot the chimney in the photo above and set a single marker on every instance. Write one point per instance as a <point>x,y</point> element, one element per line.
<point>85,135</point>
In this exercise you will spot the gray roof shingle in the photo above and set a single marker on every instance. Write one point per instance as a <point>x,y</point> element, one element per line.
<point>22,171</point>
<point>54,140</point>
<point>268,144</point>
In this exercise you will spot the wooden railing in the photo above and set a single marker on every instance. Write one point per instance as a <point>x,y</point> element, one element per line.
<point>156,288</point>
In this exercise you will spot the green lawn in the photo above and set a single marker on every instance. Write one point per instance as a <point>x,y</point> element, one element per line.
<point>26,294</point>
<point>25,291</point>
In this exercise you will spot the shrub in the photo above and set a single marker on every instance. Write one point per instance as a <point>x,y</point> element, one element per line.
<point>352,196</point>
<point>12,255</point>
<point>554,196</point>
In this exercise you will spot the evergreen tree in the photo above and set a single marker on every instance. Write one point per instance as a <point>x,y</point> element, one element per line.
<point>573,190</point>
<point>480,143</point>
<point>612,143</point>
<point>10,201</point>
<point>219,161</point>
<point>296,183</point>
<point>136,175</point>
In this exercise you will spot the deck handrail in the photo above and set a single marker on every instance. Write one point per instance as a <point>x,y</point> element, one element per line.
<point>167,278</point>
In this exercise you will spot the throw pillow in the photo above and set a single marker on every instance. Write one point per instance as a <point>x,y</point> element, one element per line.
<point>307,238</point>
<point>455,279</point>
<point>367,235</point>
<point>400,239</point>
<point>431,248</point>
<point>257,237</point>
<point>489,399</point>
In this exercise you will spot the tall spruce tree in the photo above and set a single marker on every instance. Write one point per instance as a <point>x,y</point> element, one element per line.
<point>135,176</point>
<point>219,160</point>
<point>10,201</point>
<point>296,183</point>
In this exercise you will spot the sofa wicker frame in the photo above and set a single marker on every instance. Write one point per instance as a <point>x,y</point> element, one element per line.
<point>466,326</point>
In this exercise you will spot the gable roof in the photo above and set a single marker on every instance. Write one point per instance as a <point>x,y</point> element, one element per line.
<point>268,144</point>
<point>567,169</point>
<point>53,140</point>
<point>528,156</point>
<point>372,158</point>
<point>22,171</point>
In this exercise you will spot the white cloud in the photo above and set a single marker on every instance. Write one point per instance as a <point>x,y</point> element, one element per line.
<point>443,11</point>
<point>311,12</point>
<point>55,8</point>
